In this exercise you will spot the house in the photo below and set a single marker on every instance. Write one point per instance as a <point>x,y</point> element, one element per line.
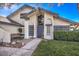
<point>11,25</point>
<point>62,24</point>
<point>7,28</point>
<point>35,23</point>
<point>75,26</point>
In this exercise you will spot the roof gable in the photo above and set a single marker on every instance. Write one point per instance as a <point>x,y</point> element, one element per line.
<point>7,12</point>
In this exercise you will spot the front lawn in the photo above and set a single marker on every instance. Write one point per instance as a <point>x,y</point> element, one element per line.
<point>57,48</point>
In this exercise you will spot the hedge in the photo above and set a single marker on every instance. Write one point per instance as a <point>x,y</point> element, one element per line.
<point>66,35</point>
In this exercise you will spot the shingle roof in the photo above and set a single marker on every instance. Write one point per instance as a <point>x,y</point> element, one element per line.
<point>6,12</point>
<point>22,5</point>
<point>61,18</point>
<point>14,22</point>
<point>65,19</point>
<point>47,11</point>
<point>6,23</point>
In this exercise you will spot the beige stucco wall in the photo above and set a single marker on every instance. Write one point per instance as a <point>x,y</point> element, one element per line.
<point>4,19</point>
<point>10,28</point>
<point>60,22</point>
<point>46,21</point>
<point>5,36</point>
<point>16,16</point>
<point>31,21</point>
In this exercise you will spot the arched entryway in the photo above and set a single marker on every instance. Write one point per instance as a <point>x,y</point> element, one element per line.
<point>40,26</point>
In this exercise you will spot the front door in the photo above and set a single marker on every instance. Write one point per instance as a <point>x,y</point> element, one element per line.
<point>40,31</point>
<point>40,26</point>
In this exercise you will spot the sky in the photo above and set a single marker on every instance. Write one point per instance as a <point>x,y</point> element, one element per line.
<point>67,10</point>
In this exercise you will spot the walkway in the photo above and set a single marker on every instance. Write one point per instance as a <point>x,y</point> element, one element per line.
<point>27,50</point>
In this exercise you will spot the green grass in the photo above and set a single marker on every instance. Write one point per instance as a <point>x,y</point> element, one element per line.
<point>57,48</point>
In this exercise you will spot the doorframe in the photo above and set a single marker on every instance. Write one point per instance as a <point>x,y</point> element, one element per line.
<point>40,25</point>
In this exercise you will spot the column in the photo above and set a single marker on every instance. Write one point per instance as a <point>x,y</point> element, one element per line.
<point>26,28</point>
<point>35,30</point>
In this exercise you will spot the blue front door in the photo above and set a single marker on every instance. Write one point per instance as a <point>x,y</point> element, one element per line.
<point>40,31</point>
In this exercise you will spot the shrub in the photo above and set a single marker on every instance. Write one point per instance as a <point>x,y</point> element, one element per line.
<point>20,30</point>
<point>66,35</point>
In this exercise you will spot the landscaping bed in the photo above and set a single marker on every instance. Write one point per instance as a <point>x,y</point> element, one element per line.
<point>15,44</point>
<point>57,48</point>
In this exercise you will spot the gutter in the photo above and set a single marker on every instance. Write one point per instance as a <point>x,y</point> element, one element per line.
<point>6,23</point>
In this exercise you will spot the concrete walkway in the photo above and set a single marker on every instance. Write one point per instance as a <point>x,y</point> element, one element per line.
<point>27,50</point>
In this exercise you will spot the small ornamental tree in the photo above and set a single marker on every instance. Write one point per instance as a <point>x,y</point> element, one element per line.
<point>20,30</point>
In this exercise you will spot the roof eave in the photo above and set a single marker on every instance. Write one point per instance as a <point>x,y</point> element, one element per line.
<point>6,23</point>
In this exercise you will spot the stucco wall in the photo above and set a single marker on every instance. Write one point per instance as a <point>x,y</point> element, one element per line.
<point>4,19</point>
<point>46,21</point>
<point>16,16</point>
<point>31,21</point>
<point>5,36</point>
<point>60,22</point>
<point>11,29</point>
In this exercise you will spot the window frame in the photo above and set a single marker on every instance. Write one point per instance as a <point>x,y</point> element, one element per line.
<point>31,30</point>
<point>48,27</point>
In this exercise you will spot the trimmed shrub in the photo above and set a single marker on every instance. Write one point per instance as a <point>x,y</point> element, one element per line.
<point>20,30</point>
<point>66,35</point>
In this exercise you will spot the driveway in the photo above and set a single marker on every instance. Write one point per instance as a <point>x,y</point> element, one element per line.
<point>26,50</point>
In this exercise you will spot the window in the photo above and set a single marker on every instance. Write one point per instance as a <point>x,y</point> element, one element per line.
<point>48,29</point>
<point>21,16</point>
<point>31,30</point>
<point>40,20</point>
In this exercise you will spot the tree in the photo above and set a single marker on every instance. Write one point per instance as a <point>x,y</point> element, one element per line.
<point>7,5</point>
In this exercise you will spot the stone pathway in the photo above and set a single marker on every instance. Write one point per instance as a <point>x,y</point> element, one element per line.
<point>27,50</point>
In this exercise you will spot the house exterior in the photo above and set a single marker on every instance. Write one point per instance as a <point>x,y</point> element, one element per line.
<point>75,27</point>
<point>6,29</point>
<point>35,23</point>
<point>8,26</point>
<point>62,24</point>
<point>39,23</point>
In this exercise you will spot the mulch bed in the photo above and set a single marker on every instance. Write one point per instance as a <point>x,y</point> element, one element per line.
<point>16,45</point>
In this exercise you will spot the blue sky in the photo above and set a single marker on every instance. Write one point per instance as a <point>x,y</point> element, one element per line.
<point>67,10</point>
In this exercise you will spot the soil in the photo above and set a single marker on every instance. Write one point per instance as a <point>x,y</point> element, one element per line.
<point>18,44</point>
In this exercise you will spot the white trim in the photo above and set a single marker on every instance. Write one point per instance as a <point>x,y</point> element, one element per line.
<point>26,36</point>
